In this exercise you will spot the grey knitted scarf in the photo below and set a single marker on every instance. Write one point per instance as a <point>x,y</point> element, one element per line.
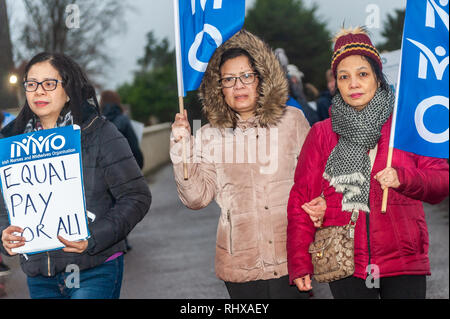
<point>34,124</point>
<point>348,167</point>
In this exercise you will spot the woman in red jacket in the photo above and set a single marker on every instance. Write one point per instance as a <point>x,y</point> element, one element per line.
<point>344,160</point>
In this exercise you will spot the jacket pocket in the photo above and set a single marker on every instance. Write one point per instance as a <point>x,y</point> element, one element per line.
<point>406,231</point>
<point>237,233</point>
<point>224,232</point>
<point>278,234</point>
<point>422,240</point>
<point>230,233</point>
<point>280,250</point>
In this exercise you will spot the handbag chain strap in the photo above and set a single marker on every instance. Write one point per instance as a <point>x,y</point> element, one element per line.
<point>352,223</point>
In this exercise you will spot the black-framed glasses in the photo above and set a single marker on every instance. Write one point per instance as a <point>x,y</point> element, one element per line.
<point>230,81</point>
<point>47,85</point>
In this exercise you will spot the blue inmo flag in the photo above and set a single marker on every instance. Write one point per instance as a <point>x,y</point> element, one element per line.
<point>204,25</point>
<point>422,113</point>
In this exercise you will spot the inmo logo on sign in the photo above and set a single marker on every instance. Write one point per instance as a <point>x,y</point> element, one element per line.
<point>31,145</point>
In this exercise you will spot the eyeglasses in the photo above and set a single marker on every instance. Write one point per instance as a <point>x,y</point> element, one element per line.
<point>47,85</point>
<point>230,81</point>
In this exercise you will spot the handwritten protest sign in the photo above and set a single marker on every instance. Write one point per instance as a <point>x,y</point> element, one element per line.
<point>42,186</point>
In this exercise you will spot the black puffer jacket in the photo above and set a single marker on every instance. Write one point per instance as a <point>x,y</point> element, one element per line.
<point>116,193</point>
<point>114,113</point>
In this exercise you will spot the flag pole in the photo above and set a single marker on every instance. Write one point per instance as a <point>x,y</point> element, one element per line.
<point>392,134</point>
<point>176,13</point>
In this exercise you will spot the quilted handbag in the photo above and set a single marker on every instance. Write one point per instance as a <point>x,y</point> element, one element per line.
<point>332,251</point>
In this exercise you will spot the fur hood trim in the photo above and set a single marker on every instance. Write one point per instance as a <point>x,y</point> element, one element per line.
<point>273,87</point>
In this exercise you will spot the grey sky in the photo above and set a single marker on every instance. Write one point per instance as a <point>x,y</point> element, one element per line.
<point>157,15</point>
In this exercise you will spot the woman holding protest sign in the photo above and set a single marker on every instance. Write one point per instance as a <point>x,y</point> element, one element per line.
<point>244,92</point>
<point>59,94</point>
<point>344,159</point>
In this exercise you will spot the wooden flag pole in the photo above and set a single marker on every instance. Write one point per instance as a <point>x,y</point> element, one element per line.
<point>386,190</point>
<point>176,16</point>
<point>393,125</point>
<point>181,104</point>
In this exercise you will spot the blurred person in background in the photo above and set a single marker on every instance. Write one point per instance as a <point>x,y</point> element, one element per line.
<point>324,100</point>
<point>296,97</point>
<point>111,108</point>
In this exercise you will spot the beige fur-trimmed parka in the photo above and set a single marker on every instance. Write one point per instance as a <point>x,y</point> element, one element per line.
<point>246,166</point>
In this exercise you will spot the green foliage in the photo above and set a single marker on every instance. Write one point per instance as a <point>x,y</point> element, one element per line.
<point>154,88</point>
<point>153,91</point>
<point>156,54</point>
<point>290,25</point>
<point>8,97</point>
<point>393,31</point>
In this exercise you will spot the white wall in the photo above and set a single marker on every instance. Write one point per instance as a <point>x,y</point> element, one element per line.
<point>155,146</point>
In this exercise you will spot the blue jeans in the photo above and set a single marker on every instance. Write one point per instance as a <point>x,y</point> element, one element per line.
<point>101,282</point>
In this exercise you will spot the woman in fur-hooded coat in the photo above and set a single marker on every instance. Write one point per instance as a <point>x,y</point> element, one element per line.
<point>245,162</point>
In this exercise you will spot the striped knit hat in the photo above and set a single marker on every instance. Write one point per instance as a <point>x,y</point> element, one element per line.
<point>353,42</point>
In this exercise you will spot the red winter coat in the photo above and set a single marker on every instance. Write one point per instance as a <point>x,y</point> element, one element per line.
<point>398,240</point>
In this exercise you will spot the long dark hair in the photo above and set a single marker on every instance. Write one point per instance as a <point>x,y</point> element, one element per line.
<point>379,75</point>
<point>75,84</point>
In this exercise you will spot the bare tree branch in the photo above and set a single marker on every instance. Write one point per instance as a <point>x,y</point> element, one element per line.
<point>8,97</point>
<point>45,29</point>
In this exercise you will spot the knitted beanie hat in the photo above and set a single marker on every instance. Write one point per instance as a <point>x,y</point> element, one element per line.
<point>353,42</point>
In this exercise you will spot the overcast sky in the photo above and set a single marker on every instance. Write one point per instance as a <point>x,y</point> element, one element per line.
<point>157,15</point>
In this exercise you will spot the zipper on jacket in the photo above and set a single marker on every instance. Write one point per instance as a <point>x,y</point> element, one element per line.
<point>368,242</point>
<point>48,264</point>
<point>89,125</point>
<point>231,230</point>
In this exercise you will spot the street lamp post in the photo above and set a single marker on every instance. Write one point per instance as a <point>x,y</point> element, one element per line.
<point>8,91</point>
<point>13,79</point>
<point>14,83</point>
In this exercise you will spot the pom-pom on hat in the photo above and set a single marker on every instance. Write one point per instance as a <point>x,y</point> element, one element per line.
<point>353,42</point>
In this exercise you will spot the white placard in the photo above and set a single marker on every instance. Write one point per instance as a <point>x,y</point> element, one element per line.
<point>42,186</point>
